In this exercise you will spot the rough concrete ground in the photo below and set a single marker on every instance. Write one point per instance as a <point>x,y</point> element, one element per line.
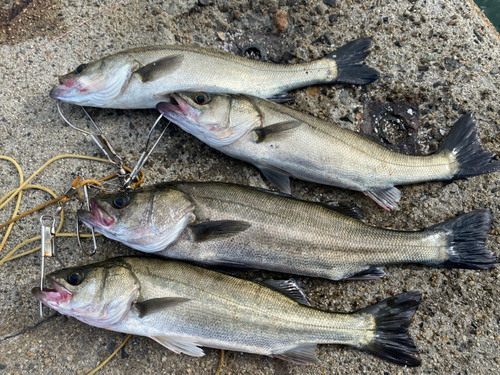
<point>440,55</point>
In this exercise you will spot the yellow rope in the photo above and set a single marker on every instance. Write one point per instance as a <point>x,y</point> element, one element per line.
<point>221,362</point>
<point>23,185</point>
<point>109,358</point>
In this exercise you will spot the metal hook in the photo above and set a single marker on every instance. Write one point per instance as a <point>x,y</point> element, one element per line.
<point>48,247</point>
<point>145,155</point>
<point>99,139</point>
<point>87,201</point>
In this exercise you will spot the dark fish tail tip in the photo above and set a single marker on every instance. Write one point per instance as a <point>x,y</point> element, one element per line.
<point>392,317</point>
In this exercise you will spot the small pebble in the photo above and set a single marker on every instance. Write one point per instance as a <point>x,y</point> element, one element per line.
<point>320,9</point>
<point>203,2</point>
<point>333,18</point>
<point>280,20</point>
<point>331,3</point>
<point>7,1</point>
<point>495,71</point>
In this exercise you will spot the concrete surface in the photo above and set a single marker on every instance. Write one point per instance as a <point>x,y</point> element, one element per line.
<point>441,55</point>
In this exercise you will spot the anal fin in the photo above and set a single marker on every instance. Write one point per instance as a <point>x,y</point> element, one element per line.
<point>277,177</point>
<point>370,273</point>
<point>178,345</point>
<point>387,198</point>
<point>289,288</point>
<point>301,354</point>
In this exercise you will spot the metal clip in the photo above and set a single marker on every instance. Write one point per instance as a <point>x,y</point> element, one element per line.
<point>48,246</point>
<point>99,139</point>
<point>87,203</point>
<point>145,155</point>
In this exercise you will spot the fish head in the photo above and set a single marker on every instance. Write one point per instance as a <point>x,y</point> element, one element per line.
<point>147,219</point>
<point>99,294</point>
<point>216,119</point>
<point>97,83</point>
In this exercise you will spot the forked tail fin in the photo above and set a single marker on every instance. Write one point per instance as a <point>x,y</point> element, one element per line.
<point>348,59</point>
<point>463,142</point>
<point>392,318</point>
<point>466,235</point>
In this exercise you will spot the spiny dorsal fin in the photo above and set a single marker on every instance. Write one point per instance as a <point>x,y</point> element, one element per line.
<point>213,229</point>
<point>179,345</point>
<point>262,133</point>
<point>347,209</point>
<point>301,354</point>
<point>289,288</point>
<point>154,305</point>
<point>159,68</point>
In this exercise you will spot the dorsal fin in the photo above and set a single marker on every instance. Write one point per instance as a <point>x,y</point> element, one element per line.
<point>289,288</point>
<point>346,208</point>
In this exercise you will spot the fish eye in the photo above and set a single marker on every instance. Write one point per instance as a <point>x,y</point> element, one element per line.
<point>201,98</point>
<point>121,201</point>
<point>80,68</point>
<point>76,277</point>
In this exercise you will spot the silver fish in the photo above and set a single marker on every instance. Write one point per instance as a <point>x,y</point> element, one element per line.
<point>232,225</point>
<point>143,77</point>
<point>182,307</point>
<point>283,142</point>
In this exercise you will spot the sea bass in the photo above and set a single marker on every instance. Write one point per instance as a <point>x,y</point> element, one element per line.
<point>233,225</point>
<point>183,307</point>
<point>283,142</point>
<point>143,77</point>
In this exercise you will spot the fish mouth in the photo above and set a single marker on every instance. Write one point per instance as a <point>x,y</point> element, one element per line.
<point>177,106</point>
<point>51,297</point>
<point>96,217</point>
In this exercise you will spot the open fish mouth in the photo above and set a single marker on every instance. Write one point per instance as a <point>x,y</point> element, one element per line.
<point>51,297</point>
<point>96,217</point>
<point>178,106</point>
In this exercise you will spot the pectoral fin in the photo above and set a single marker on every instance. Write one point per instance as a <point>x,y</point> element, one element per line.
<point>213,229</point>
<point>179,345</point>
<point>301,354</point>
<point>289,288</point>
<point>264,133</point>
<point>277,177</point>
<point>386,198</point>
<point>159,68</point>
<point>154,305</point>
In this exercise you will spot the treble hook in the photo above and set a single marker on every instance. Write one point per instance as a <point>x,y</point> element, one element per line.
<point>145,155</point>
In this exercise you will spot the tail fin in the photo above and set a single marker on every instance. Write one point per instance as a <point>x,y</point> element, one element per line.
<point>392,319</point>
<point>348,58</point>
<point>463,142</point>
<point>466,235</point>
